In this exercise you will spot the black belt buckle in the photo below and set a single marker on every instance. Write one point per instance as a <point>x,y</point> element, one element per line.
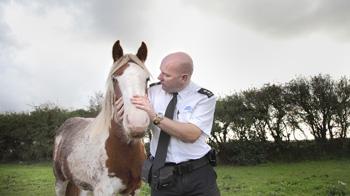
<point>183,169</point>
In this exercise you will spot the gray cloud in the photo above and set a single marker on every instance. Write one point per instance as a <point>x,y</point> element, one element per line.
<point>122,19</point>
<point>286,18</point>
<point>105,19</point>
<point>6,42</point>
<point>102,19</point>
<point>93,21</point>
<point>81,33</point>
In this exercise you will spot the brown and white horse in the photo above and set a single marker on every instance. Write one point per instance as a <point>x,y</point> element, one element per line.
<point>100,155</point>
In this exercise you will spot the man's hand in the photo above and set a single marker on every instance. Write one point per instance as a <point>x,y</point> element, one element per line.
<point>142,102</point>
<point>119,111</point>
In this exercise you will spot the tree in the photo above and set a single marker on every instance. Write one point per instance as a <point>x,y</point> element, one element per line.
<point>273,99</point>
<point>221,123</point>
<point>342,114</point>
<point>314,103</point>
<point>257,113</point>
<point>95,104</point>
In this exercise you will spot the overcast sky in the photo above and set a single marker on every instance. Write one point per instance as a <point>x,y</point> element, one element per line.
<point>59,51</point>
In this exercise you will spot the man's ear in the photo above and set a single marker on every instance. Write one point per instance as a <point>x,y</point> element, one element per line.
<point>185,77</point>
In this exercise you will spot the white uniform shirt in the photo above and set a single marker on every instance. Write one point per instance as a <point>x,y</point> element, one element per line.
<point>194,105</point>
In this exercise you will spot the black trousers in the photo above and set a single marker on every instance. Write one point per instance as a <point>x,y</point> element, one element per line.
<point>200,182</point>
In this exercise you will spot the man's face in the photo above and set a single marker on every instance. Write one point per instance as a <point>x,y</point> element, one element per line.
<point>170,78</point>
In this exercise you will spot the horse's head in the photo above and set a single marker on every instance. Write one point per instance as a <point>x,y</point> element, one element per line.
<point>129,77</point>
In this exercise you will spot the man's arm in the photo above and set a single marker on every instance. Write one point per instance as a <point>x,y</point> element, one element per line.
<point>186,132</point>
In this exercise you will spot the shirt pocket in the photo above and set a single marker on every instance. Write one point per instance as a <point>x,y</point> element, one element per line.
<point>184,114</point>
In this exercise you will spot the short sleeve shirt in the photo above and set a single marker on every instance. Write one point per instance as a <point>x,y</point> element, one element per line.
<point>195,105</point>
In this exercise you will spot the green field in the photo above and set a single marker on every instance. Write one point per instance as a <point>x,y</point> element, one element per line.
<point>331,177</point>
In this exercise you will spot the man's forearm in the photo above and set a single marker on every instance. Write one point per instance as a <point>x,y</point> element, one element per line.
<point>186,132</point>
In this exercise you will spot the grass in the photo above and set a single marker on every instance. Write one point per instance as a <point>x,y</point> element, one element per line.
<point>305,178</point>
<point>20,179</point>
<point>330,177</point>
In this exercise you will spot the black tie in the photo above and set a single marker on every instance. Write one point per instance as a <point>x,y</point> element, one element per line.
<point>164,137</point>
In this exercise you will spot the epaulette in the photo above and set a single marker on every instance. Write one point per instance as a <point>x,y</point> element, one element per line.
<point>205,92</point>
<point>153,84</point>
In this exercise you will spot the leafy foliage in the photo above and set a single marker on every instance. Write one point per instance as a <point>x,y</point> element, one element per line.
<point>250,127</point>
<point>30,136</point>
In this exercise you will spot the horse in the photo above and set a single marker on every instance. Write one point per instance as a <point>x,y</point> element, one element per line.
<point>102,156</point>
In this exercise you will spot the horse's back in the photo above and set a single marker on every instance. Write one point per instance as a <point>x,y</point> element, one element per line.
<point>73,124</point>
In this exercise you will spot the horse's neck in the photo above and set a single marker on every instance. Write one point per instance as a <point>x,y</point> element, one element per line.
<point>119,143</point>
<point>117,131</point>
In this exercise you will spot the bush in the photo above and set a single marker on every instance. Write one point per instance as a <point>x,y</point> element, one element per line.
<point>238,152</point>
<point>30,136</point>
<point>242,152</point>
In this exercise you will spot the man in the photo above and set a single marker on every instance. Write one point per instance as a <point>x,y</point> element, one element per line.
<point>189,129</point>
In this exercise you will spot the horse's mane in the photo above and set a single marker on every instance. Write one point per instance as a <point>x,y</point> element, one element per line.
<point>103,119</point>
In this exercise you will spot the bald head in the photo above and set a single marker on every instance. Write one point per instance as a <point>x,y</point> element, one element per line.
<point>180,61</point>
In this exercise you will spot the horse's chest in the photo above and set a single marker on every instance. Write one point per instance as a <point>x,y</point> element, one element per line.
<point>125,161</point>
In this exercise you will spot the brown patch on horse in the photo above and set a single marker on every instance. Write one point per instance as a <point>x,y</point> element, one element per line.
<point>121,70</point>
<point>124,159</point>
<point>72,189</point>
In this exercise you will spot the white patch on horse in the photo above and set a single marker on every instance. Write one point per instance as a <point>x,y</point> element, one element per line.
<point>108,186</point>
<point>60,188</point>
<point>57,142</point>
<point>88,159</point>
<point>85,193</point>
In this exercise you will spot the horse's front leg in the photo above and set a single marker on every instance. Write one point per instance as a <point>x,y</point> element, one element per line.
<point>136,193</point>
<point>60,187</point>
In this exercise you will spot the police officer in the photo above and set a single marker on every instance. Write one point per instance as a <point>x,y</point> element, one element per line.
<point>188,130</point>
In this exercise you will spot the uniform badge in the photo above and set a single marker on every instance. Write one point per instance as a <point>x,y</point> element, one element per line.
<point>154,84</point>
<point>206,92</point>
<point>188,108</point>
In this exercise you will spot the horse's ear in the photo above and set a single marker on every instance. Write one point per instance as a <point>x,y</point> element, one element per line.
<point>142,52</point>
<point>117,51</point>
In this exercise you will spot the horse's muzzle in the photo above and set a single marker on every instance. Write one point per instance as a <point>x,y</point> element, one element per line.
<point>137,135</point>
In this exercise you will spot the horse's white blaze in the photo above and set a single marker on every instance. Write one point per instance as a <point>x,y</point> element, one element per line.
<point>133,82</point>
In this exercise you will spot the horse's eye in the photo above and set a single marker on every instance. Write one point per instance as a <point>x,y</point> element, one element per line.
<point>147,80</point>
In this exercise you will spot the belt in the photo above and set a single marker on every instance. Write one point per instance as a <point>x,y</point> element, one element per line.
<point>188,166</point>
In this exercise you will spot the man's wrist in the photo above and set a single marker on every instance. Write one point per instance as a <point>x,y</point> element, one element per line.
<point>158,117</point>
